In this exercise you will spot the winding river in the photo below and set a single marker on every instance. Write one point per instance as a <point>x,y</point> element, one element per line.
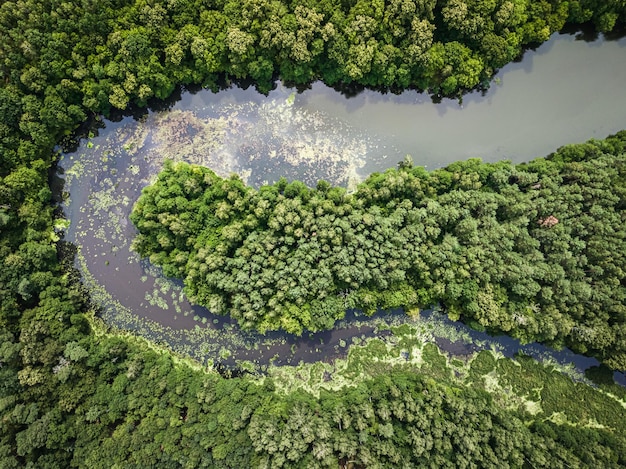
<point>568,90</point>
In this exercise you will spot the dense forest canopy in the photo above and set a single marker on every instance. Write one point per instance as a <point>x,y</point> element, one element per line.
<point>535,250</point>
<point>69,398</point>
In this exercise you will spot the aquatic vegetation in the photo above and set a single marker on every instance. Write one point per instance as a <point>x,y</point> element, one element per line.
<point>103,192</point>
<point>536,388</point>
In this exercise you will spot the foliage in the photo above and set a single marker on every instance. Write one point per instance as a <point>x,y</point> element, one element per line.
<point>114,402</point>
<point>534,250</point>
<point>69,398</point>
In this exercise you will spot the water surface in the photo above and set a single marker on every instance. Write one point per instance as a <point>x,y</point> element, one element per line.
<point>566,91</point>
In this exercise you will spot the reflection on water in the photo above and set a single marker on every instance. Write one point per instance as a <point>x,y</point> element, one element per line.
<point>564,92</point>
<point>572,88</point>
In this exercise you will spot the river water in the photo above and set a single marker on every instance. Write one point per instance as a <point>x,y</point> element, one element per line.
<point>566,91</point>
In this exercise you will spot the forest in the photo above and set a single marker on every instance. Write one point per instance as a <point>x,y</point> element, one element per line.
<point>533,250</point>
<point>73,394</point>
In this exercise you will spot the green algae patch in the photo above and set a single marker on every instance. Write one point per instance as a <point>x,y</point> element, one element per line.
<point>532,389</point>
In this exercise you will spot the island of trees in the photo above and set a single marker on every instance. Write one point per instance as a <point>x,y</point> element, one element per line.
<point>72,398</point>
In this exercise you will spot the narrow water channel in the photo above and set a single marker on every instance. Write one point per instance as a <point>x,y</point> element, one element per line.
<point>566,91</point>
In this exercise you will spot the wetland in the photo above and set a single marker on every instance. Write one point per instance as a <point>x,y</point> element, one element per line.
<point>320,134</point>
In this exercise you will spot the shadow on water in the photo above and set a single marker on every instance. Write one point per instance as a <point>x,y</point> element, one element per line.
<point>582,32</point>
<point>603,375</point>
<point>56,182</point>
<point>588,33</point>
<point>617,34</point>
<point>372,96</point>
<point>279,348</point>
<point>154,104</point>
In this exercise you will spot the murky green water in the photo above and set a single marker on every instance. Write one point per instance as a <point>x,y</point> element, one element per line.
<point>567,91</point>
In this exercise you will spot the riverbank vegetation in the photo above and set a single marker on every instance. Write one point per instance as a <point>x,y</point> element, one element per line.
<point>110,400</point>
<point>534,250</point>
<point>69,398</point>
